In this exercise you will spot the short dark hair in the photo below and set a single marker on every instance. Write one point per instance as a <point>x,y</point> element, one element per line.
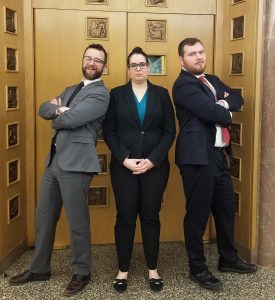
<point>137,50</point>
<point>189,42</point>
<point>98,47</point>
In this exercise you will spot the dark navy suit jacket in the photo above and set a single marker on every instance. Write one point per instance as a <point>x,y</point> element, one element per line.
<point>197,114</point>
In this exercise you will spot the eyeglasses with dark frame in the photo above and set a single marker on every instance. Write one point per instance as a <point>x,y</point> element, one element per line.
<point>96,60</point>
<point>141,65</point>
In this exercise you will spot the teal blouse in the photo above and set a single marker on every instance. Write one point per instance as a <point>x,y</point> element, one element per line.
<point>141,106</point>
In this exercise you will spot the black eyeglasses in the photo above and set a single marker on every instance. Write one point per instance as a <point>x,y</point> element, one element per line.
<point>97,61</point>
<point>141,65</point>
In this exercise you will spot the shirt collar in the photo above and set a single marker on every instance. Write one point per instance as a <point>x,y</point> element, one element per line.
<point>87,81</point>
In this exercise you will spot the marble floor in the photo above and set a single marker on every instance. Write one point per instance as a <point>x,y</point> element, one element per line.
<point>172,266</point>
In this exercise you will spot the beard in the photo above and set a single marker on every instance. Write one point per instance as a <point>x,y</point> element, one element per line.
<point>97,73</point>
<point>197,70</point>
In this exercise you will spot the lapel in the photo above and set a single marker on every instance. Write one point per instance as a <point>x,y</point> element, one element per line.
<point>151,103</point>
<point>130,100</point>
<point>208,77</point>
<point>81,93</point>
<point>205,88</point>
<point>68,95</point>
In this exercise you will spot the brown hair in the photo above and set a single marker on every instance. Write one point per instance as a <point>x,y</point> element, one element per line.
<point>98,47</point>
<point>137,50</point>
<point>189,42</point>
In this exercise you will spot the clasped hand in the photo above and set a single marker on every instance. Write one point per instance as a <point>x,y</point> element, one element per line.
<point>61,109</point>
<point>138,166</point>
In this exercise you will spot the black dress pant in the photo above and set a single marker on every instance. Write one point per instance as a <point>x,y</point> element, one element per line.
<point>138,195</point>
<point>208,188</point>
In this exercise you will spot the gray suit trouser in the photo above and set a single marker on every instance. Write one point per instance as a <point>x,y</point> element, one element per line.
<point>70,189</point>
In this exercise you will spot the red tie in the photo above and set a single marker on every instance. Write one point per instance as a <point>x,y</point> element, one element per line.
<point>225,131</point>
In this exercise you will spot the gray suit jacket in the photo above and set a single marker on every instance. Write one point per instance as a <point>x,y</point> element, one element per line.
<point>78,127</point>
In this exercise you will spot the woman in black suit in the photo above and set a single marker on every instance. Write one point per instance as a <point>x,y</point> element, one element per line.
<point>139,129</point>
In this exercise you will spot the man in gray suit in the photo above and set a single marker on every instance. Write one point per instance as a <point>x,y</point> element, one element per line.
<point>76,116</point>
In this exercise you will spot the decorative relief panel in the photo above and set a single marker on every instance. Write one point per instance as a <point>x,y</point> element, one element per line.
<point>11,60</point>
<point>159,3</point>
<point>235,168</point>
<point>12,135</point>
<point>96,1</point>
<point>97,28</point>
<point>104,163</point>
<point>237,64</point>
<point>13,171</point>
<point>237,1</point>
<point>98,196</point>
<point>13,208</point>
<point>237,28</point>
<point>12,100</point>
<point>236,133</point>
<point>10,20</point>
<point>156,30</point>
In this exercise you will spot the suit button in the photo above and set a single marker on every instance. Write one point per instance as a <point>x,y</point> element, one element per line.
<point>142,132</point>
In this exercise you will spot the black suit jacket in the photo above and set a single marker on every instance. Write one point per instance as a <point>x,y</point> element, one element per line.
<point>127,137</point>
<point>197,114</point>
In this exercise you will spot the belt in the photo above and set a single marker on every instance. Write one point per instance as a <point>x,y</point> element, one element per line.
<point>219,148</point>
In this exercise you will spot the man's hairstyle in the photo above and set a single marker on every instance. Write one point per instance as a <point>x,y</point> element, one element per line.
<point>137,50</point>
<point>98,47</point>
<point>189,42</point>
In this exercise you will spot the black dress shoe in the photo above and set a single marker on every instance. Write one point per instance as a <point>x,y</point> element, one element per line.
<point>28,276</point>
<point>156,284</point>
<point>120,285</point>
<point>206,280</point>
<point>77,284</point>
<point>239,266</point>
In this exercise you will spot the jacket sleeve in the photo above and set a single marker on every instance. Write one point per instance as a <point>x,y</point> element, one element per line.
<point>234,99</point>
<point>47,110</point>
<point>189,95</point>
<point>168,131</point>
<point>109,126</point>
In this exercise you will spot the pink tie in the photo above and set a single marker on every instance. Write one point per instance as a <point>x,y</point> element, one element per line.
<point>225,131</point>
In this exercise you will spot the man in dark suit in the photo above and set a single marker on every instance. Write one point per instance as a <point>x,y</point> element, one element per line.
<point>76,116</point>
<point>203,107</point>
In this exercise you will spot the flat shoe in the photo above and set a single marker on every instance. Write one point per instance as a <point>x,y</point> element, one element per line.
<point>120,285</point>
<point>156,284</point>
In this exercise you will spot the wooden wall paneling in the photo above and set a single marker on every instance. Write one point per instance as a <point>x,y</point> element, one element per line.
<point>13,234</point>
<point>245,232</point>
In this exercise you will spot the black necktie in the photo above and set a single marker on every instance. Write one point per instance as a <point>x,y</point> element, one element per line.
<point>77,89</point>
